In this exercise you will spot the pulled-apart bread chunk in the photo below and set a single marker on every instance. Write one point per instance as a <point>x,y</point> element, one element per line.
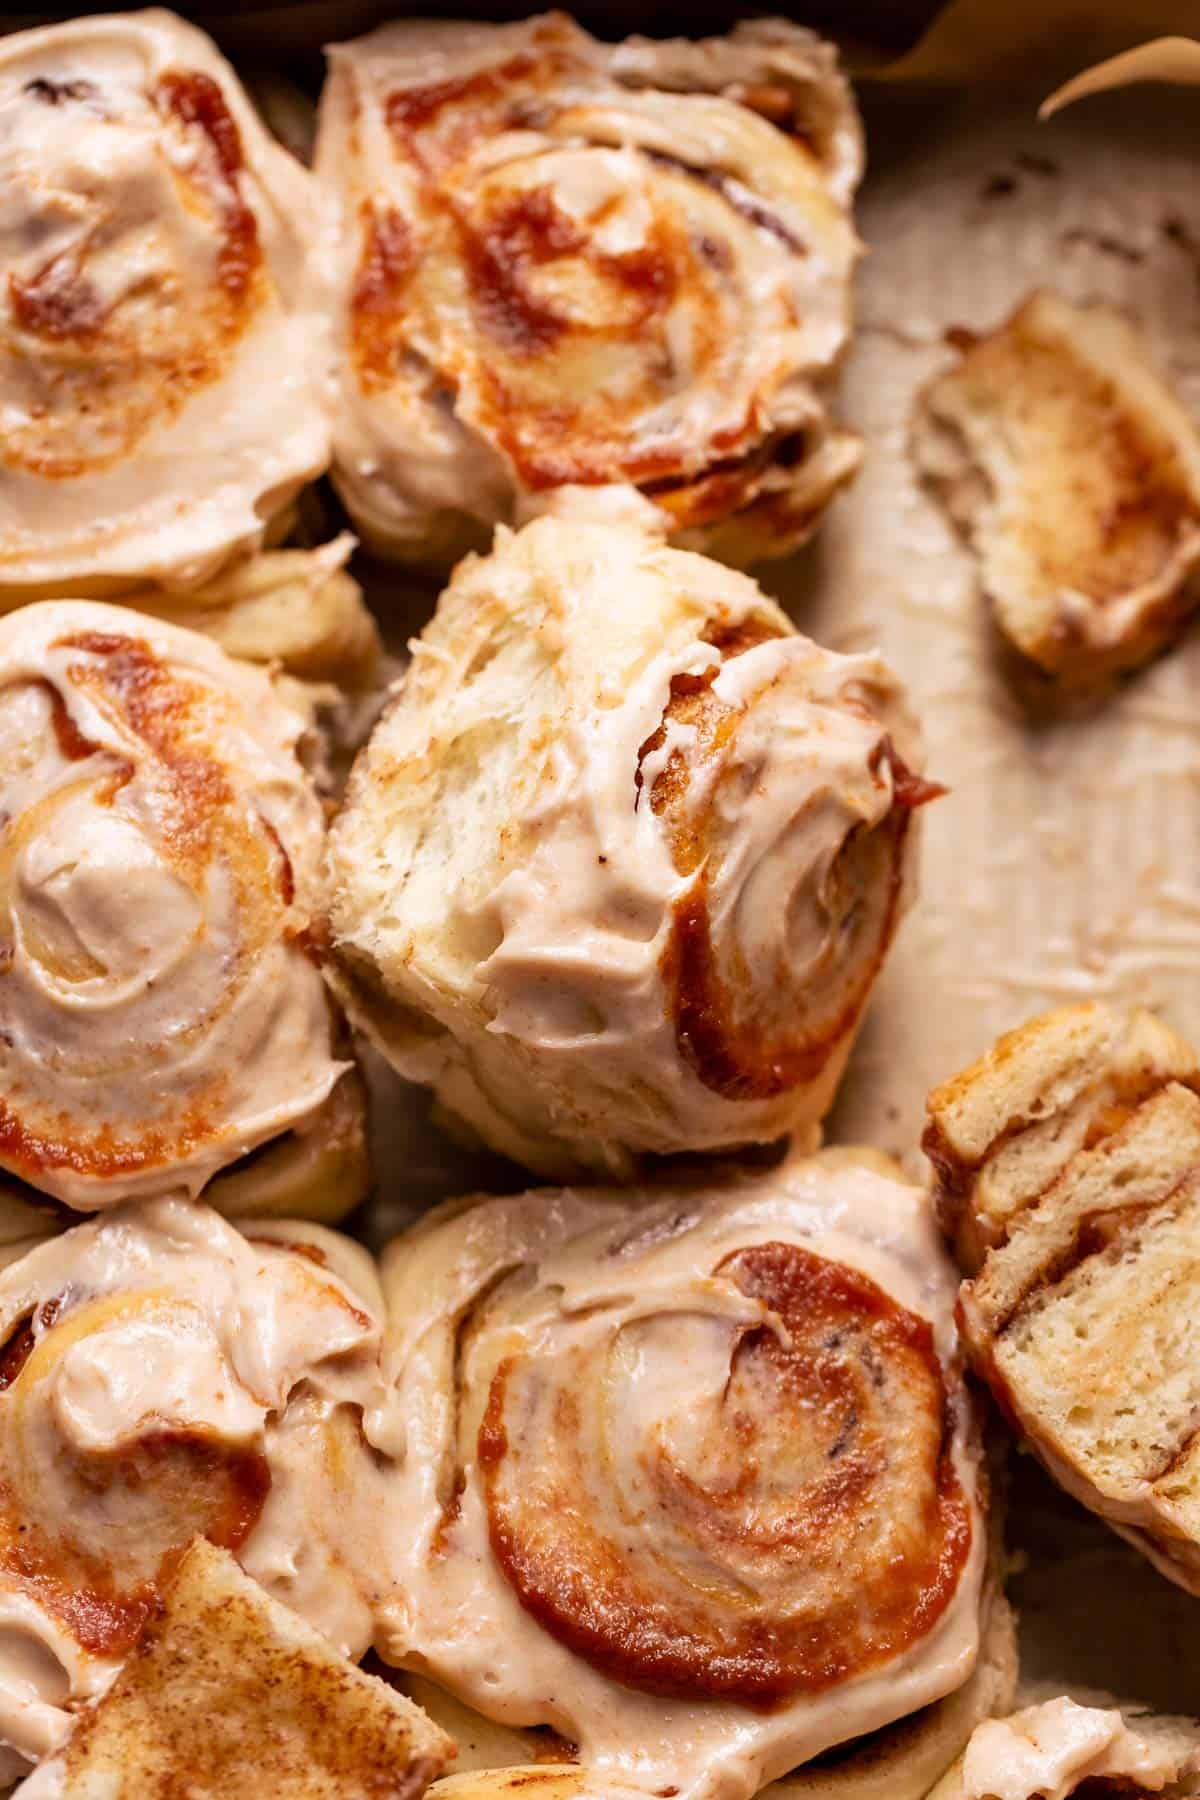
<point>1056,1748</point>
<point>1070,1158</point>
<point>622,859</point>
<point>566,267</point>
<point>1002,1131</point>
<point>1061,454</point>
<point>228,1693</point>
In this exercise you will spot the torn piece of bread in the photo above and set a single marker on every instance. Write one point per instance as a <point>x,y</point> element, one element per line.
<point>1070,1160</point>
<point>1051,1750</point>
<point>1004,1129</point>
<point>1061,454</point>
<point>230,1693</point>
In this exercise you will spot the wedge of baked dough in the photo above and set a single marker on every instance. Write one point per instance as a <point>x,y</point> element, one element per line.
<point>1061,454</point>
<point>1002,1131</point>
<point>230,1693</point>
<point>1069,1160</point>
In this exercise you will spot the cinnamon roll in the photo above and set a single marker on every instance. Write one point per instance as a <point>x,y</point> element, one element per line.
<point>294,1719</point>
<point>621,861</point>
<point>162,1010</point>
<point>1059,1747</point>
<point>687,1474</point>
<point>163,324</point>
<point>564,266</point>
<point>1076,1143</point>
<point>1063,456</point>
<point>163,1376</point>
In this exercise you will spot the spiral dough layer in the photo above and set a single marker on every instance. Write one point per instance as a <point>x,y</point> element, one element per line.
<point>688,1474</point>
<point>161,1011</point>
<point>163,367</point>
<point>564,265</point>
<point>620,864</point>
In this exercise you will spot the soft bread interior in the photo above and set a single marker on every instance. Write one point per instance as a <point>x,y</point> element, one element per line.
<point>999,1133</point>
<point>229,1693</point>
<point>1069,1162</point>
<point>1061,453</point>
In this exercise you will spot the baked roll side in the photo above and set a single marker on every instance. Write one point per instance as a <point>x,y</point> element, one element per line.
<point>1079,1148</point>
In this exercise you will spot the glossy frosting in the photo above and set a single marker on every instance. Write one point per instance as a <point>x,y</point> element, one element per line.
<point>160,1011</point>
<point>564,264</point>
<point>161,1376</point>
<point>687,1474</point>
<point>163,370</point>
<point>634,847</point>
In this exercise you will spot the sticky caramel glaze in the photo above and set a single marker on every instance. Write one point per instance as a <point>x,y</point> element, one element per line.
<point>161,339</point>
<point>159,1016</point>
<point>164,1378</point>
<point>584,259</point>
<point>687,1474</point>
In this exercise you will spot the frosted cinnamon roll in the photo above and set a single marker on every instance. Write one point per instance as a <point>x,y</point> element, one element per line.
<point>621,861</point>
<point>162,1011</point>
<point>686,1474</point>
<point>164,1376</point>
<point>163,361</point>
<point>563,265</point>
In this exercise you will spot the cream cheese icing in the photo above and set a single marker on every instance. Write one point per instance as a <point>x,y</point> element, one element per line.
<point>164,1375</point>
<point>605,1408</point>
<point>563,265</point>
<point>164,373</point>
<point>160,1013</point>
<point>1047,1751</point>
<point>619,865</point>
